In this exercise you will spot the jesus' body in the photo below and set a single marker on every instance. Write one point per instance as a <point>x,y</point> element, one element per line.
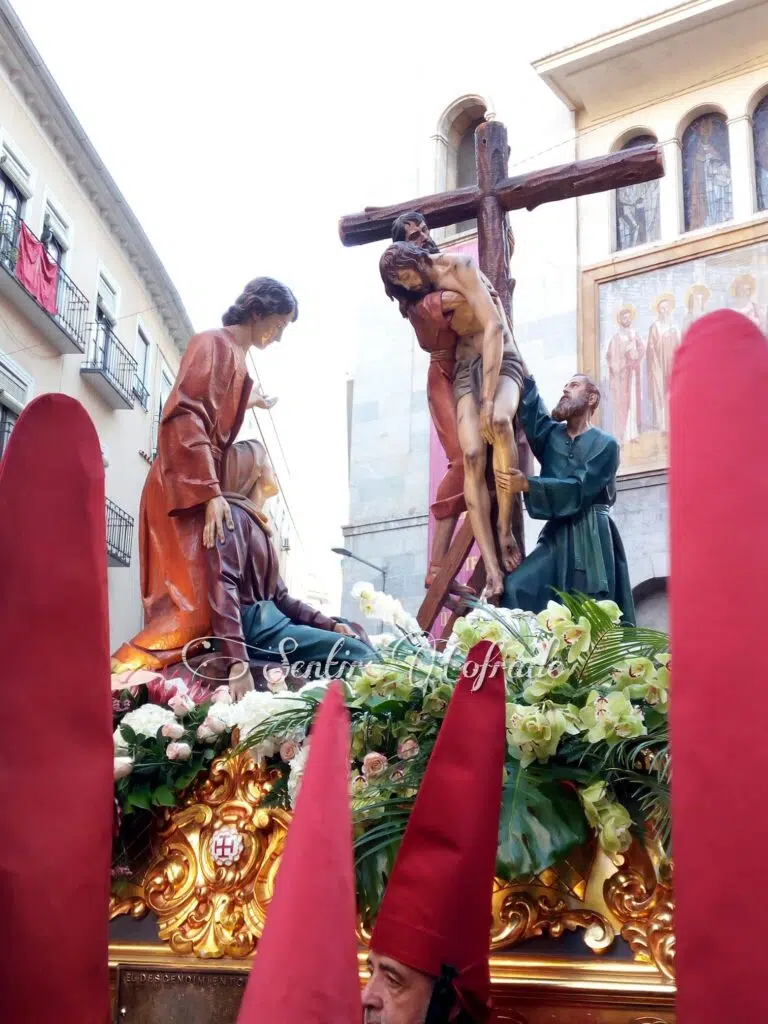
<point>487,382</point>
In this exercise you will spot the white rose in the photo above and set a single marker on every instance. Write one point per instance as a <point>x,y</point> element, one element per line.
<point>181,704</point>
<point>123,766</point>
<point>178,751</point>
<point>205,734</point>
<point>173,731</point>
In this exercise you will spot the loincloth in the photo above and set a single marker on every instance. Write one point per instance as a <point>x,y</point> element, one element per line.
<point>468,375</point>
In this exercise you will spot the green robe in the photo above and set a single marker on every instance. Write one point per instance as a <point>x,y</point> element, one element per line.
<point>579,548</point>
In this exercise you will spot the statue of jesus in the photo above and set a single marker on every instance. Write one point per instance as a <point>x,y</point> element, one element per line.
<point>486,385</point>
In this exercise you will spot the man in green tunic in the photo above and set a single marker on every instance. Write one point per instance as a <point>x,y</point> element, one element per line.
<point>579,548</point>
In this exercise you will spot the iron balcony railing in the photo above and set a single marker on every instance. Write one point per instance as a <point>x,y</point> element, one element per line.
<point>119,535</point>
<point>141,391</point>
<point>119,523</point>
<point>71,305</point>
<point>107,354</point>
<point>6,426</point>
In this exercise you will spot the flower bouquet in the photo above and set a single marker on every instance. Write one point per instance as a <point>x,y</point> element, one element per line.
<point>587,749</point>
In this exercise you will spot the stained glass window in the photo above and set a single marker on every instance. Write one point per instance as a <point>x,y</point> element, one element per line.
<point>760,140</point>
<point>637,207</point>
<point>707,192</point>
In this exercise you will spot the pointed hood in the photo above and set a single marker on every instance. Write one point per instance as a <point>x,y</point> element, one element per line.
<point>436,911</point>
<point>306,970</point>
<point>56,787</point>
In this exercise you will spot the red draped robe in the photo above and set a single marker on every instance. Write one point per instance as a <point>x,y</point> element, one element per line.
<point>200,420</point>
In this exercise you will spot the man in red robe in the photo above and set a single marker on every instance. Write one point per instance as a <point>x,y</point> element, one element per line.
<point>182,506</point>
<point>431,320</point>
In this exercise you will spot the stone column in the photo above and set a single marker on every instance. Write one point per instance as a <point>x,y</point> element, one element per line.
<point>671,192</point>
<point>440,175</point>
<point>742,167</point>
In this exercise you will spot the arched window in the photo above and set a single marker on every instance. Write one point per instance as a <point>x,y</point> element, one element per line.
<point>466,167</point>
<point>637,206</point>
<point>456,155</point>
<point>760,141</point>
<point>707,192</point>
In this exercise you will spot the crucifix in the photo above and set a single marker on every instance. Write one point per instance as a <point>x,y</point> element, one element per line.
<point>489,200</point>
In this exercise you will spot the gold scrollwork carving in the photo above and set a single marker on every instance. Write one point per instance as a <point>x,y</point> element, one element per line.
<point>523,912</point>
<point>133,906</point>
<point>645,908</point>
<point>212,875</point>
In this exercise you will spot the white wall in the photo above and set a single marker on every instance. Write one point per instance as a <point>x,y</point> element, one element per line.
<point>123,433</point>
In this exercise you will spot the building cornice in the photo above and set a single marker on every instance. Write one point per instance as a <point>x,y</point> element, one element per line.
<point>47,104</point>
<point>669,18</point>
<point>617,61</point>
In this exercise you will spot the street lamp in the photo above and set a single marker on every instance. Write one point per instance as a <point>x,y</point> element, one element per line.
<point>349,554</point>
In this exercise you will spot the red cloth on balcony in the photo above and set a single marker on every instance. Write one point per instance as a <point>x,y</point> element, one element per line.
<point>36,270</point>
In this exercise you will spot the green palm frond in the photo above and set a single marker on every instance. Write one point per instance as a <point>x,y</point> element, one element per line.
<point>375,851</point>
<point>581,606</point>
<point>616,646</point>
<point>650,794</point>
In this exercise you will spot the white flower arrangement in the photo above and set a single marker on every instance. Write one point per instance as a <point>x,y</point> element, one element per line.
<point>146,720</point>
<point>296,773</point>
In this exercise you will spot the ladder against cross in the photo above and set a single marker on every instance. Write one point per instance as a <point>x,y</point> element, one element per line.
<point>489,200</point>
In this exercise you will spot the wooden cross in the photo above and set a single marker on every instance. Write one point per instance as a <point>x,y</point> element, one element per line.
<point>489,200</point>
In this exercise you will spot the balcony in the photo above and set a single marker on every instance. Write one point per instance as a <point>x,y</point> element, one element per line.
<point>64,324</point>
<point>119,535</point>
<point>6,426</point>
<point>110,368</point>
<point>141,392</point>
<point>119,523</point>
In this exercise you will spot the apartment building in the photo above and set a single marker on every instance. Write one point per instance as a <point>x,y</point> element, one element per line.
<point>86,306</point>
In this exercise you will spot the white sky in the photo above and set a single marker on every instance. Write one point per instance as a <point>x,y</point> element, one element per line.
<point>239,132</point>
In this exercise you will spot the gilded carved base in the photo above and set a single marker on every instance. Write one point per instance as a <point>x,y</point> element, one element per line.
<point>645,907</point>
<point>213,871</point>
<point>215,859</point>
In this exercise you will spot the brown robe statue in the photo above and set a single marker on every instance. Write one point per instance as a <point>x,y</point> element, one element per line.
<point>200,420</point>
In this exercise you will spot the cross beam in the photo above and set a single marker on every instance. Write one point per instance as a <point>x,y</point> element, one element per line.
<point>521,192</point>
<point>489,200</point>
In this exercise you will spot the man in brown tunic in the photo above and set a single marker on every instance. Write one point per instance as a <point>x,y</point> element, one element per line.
<point>182,506</point>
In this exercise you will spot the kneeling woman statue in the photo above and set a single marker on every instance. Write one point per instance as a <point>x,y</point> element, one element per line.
<point>253,617</point>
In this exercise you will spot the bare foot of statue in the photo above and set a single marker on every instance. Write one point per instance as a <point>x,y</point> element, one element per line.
<point>511,555</point>
<point>494,586</point>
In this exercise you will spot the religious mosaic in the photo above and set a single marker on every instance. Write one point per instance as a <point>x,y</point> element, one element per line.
<point>637,207</point>
<point>642,319</point>
<point>707,189</point>
<point>760,141</point>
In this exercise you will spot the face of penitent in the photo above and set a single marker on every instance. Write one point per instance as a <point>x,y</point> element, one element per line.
<point>395,994</point>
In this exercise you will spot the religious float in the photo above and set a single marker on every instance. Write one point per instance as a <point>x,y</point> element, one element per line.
<point>583,905</point>
<point>583,908</point>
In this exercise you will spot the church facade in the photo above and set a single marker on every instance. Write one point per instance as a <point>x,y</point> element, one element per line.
<point>605,284</point>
